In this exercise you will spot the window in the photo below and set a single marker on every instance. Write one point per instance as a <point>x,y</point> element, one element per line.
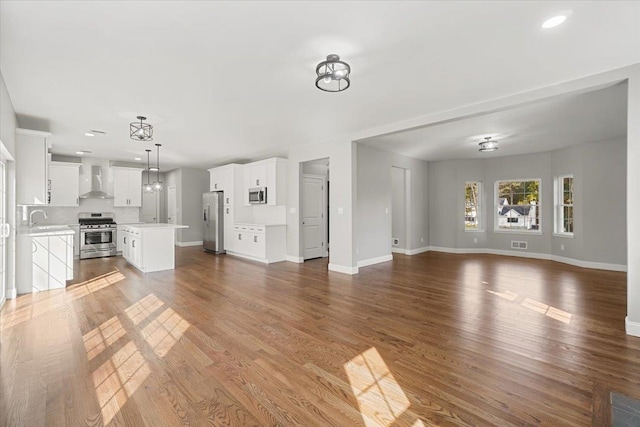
<point>518,205</point>
<point>472,206</point>
<point>564,205</point>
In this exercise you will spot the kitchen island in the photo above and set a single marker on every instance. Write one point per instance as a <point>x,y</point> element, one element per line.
<point>150,247</point>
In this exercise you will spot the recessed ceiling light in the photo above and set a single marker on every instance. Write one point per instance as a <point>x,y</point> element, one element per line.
<point>89,134</point>
<point>556,20</point>
<point>137,159</point>
<point>83,152</point>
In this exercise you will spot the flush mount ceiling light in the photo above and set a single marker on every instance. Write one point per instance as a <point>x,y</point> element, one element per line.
<point>89,134</point>
<point>148,188</point>
<point>83,152</point>
<point>333,74</point>
<point>488,145</point>
<point>157,184</point>
<point>140,131</point>
<point>556,20</point>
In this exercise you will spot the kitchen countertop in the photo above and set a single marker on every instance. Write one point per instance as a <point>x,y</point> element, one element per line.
<point>45,230</point>
<point>155,225</point>
<point>245,224</point>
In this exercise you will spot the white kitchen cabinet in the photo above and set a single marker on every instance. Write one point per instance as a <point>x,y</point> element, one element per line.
<point>64,184</point>
<point>44,260</point>
<point>264,243</point>
<point>150,247</point>
<point>228,178</point>
<point>32,167</point>
<point>127,187</point>
<point>270,173</point>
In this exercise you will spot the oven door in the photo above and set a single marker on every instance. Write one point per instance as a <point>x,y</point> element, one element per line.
<point>98,240</point>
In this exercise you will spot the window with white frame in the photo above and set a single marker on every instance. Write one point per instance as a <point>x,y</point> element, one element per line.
<point>518,205</point>
<point>564,205</point>
<point>472,206</point>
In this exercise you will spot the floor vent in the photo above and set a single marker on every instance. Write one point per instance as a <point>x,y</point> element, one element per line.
<point>518,245</point>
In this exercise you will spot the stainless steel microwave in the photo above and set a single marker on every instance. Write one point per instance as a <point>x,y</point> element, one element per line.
<point>258,196</point>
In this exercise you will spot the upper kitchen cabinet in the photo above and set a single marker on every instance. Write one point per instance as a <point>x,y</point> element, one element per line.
<point>127,187</point>
<point>270,174</point>
<point>64,184</point>
<point>227,178</point>
<point>32,171</point>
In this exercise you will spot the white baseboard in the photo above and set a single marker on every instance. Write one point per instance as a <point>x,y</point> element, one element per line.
<point>632,328</point>
<point>185,244</point>
<point>11,293</point>
<point>399,251</point>
<point>296,259</point>
<point>377,260</point>
<point>535,255</point>
<point>418,250</point>
<point>249,257</point>
<point>343,269</point>
<point>590,264</point>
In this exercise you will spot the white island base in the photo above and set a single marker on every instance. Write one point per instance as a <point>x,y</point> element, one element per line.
<point>150,247</point>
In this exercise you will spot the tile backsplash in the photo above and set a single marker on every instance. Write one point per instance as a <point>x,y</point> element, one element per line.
<point>69,215</point>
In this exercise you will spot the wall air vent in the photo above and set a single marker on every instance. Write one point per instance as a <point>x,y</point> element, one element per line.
<point>518,245</point>
<point>395,241</point>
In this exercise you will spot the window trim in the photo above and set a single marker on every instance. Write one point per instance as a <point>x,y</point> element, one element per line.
<point>538,210</point>
<point>558,187</point>
<point>479,211</point>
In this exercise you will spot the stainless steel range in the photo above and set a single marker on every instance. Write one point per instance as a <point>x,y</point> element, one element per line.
<point>98,232</point>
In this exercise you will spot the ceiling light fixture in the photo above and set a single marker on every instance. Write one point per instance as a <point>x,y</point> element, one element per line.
<point>556,20</point>
<point>488,145</point>
<point>157,184</point>
<point>148,188</point>
<point>83,152</point>
<point>333,74</point>
<point>89,134</point>
<point>140,131</point>
<point>137,159</point>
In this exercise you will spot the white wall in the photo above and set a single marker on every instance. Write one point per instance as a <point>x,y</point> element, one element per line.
<point>195,182</point>
<point>398,208</point>
<point>374,202</point>
<point>599,212</point>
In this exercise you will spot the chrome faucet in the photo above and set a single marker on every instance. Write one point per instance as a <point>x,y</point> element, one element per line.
<point>31,222</point>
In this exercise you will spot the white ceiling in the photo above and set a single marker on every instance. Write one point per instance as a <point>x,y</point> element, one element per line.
<point>228,81</point>
<point>560,122</point>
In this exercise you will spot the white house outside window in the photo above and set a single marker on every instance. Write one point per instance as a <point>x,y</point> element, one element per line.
<point>564,205</point>
<point>472,212</point>
<point>518,206</point>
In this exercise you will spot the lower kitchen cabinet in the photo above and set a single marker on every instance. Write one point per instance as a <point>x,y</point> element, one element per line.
<point>44,261</point>
<point>150,247</point>
<point>264,243</point>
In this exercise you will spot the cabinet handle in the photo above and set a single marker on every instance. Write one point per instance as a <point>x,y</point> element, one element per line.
<point>255,239</point>
<point>215,186</point>
<point>125,240</point>
<point>133,243</point>
<point>77,200</point>
<point>227,211</point>
<point>257,182</point>
<point>239,236</point>
<point>227,202</point>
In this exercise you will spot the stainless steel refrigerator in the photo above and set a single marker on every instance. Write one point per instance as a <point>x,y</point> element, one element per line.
<point>213,217</point>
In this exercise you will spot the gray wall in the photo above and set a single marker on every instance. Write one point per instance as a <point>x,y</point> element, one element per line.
<point>398,207</point>
<point>194,183</point>
<point>8,122</point>
<point>374,201</point>
<point>600,204</point>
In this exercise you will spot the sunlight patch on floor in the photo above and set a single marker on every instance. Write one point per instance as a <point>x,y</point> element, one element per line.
<point>379,395</point>
<point>59,298</point>
<point>103,336</point>
<point>165,331</point>
<point>118,378</point>
<point>537,306</point>
<point>143,308</point>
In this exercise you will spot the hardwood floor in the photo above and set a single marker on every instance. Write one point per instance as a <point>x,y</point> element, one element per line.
<point>432,339</point>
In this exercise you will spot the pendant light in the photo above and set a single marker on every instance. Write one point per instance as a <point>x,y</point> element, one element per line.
<point>148,188</point>
<point>157,184</point>
<point>140,131</point>
<point>333,74</point>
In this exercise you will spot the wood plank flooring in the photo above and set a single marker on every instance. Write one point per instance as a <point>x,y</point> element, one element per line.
<point>431,339</point>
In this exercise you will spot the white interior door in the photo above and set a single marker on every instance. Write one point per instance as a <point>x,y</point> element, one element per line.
<point>4,233</point>
<point>150,207</point>
<point>313,216</point>
<point>172,212</point>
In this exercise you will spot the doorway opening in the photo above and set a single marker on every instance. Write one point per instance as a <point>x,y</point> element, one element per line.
<point>314,205</point>
<point>400,210</point>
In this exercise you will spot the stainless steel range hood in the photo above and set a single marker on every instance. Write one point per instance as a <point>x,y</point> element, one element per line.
<point>96,186</point>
